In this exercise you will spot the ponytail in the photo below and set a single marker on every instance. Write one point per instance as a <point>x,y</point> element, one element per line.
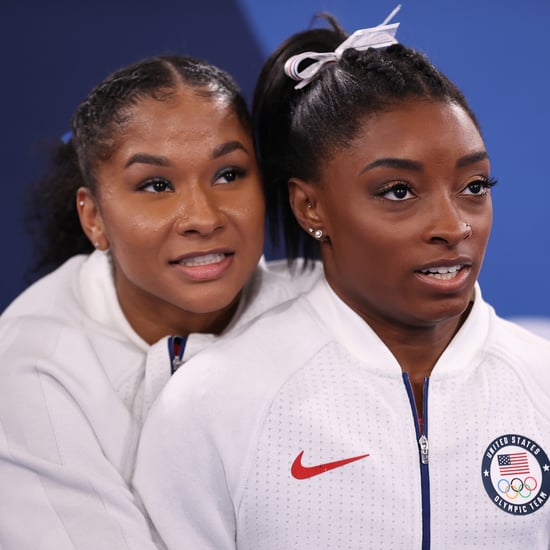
<point>51,217</point>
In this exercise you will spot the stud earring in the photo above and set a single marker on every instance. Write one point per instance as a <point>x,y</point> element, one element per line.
<point>468,226</point>
<point>317,233</point>
<point>81,203</point>
<point>96,244</point>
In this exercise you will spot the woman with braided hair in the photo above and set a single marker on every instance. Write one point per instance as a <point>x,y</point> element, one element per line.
<point>389,407</point>
<point>153,218</point>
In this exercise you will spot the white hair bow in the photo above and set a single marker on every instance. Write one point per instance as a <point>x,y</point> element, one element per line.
<point>374,37</point>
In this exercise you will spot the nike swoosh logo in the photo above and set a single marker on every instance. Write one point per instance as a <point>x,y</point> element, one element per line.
<point>299,471</point>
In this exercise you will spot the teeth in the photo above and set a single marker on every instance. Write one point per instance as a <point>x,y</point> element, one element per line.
<point>203,260</point>
<point>443,276</point>
<point>443,272</point>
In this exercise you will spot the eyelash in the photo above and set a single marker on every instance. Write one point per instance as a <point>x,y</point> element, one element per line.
<point>400,185</point>
<point>152,182</point>
<point>238,173</point>
<point>486,183</point>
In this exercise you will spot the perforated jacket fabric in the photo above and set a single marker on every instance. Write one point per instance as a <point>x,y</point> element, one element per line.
<point>306,437</point>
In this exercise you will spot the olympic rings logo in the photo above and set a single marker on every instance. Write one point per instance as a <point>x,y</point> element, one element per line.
<point>515,473</point>
<point>517,487</point>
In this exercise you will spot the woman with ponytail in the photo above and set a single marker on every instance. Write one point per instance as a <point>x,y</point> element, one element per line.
<point>152,220</point>
<point>389,407</point>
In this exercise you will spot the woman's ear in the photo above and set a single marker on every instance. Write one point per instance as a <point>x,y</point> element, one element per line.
<point>90,219</point>
<point>304,204</point>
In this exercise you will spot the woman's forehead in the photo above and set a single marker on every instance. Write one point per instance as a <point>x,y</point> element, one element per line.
<point>183,115</point>
<point>415,122</point>
<point>421,132</point>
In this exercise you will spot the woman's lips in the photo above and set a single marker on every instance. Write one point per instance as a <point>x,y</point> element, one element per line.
<point>205,259</point>
<point>204,266</point>
<point>450,278</point>
<point>444,273</point>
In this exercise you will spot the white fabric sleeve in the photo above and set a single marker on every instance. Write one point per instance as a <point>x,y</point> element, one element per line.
<point>180,477</point>
<point>66,450</point>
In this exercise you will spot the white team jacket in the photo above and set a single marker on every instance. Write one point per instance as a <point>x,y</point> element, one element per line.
<point>75,383</point>
<point>305,437</point>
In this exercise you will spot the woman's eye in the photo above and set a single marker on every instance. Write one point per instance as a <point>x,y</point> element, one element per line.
<point>397,192</point>
<point>479,187</point>
<point>229,175</point>
<point>156,185</point>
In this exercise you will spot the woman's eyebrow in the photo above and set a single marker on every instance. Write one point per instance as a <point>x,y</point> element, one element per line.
<point>391,162</point>
<point>228,147</point>
<point>144,158</point>
<point>157,160</point>
<point>407,164</point>
<point>472,158</point>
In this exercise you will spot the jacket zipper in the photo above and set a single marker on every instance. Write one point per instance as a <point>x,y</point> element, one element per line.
<point>423,447</point>
<point>176,348</point>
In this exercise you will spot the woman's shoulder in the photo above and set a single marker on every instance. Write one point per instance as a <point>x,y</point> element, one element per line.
<point>273,283</point>
<point>66,352</point>
<point>50,295</point>
<point>48,312</point>
<point>527,354</point>
<point>298,275</point>
<point>520,344</point>
<point>272,345</point>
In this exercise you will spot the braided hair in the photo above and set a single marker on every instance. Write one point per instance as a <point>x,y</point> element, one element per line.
<point>296,131</point>
<point>51,215</point>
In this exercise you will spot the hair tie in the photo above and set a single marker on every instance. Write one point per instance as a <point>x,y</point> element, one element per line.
<point>66,137</point>
<point>381,36</point>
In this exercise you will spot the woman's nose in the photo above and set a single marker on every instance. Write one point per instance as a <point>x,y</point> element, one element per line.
<point>447,223</point>
<point>199,213</point>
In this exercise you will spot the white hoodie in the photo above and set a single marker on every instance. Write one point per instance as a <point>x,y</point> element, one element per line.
<point>75,383</point>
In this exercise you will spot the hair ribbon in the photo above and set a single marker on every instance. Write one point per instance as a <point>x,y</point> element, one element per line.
<point>381,36</point>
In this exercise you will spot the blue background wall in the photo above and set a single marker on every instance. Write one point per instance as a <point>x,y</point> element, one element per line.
<point>497,52</point>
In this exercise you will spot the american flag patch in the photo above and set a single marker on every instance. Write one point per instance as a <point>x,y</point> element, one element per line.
<point>513,464</point>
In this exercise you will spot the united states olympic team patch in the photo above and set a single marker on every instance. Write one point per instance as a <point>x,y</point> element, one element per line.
<point>516,474</point>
